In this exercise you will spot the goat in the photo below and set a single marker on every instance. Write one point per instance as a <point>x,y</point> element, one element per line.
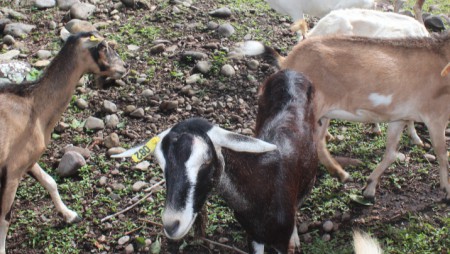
<point>364,244</point>
<point>318,8</point>
<point>29,111</point>
<point>371,23</point>
<point>262,185</point>
<point>375,80</point>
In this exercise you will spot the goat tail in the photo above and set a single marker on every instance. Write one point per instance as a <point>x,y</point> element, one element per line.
<point>255,48</point>
<point>364,244</point>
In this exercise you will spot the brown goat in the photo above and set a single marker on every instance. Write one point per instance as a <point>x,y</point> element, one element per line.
<point>29,111</point>
<point>375,80</point>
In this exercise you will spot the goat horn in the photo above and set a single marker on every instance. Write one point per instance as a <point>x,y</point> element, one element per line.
<point>446,70</point>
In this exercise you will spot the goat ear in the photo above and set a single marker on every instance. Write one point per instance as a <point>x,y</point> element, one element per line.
<point>446,70</point>
<point>92,41</point>
<point>238,142</point>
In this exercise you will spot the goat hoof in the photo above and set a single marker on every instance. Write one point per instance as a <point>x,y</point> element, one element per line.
<point>74,220</point>
<point>344,178</point>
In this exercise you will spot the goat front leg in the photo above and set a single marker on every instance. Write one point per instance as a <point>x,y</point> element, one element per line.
<point>437,134</point>
<point>256,248</point>
<point>8,190</point>
<point>325,157</point>
<point>413,134</point>
<point>418,10</point>
<point>50,185</point>
<point>294,242</point>
<point>394,133</point>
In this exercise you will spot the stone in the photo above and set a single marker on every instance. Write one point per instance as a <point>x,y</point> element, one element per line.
<point>226,30</point>
<point>132,47</point>
<point>212,25</point>
<point>9,55</point>
<point>18,30</point>
<point>112,140</point>
<point>193,79</point>
<point>115,150</point>
<point>326,237</point>
<point>194,55</point>
<point>76,25</point>
<point>83,151</point>
<point>42,4</point>
<point>147,93</point>
<point>223,12</point>
<point>103,181</point>
<point>401,157</point>
<point>138,113</point>
<point>137,186</point>
<point>61,127</point>
<point>13,70</point>
<point>168,105</point>
<point>3,23</point>
<point>81,103</point>
<point>70,163</point>
<point>430,157</point>
<point>327,226</point>
<point>43,54</point>
<point>66,4</point>
<point>158,48</point>
<point>129,109</point>
<point>142,166</point>
<point>93,123</point>
<point>8,40</point>
<point>129,249</point>
<point>227,70</point>
<point>253,64</point>
<point>41,63</point>
<point>109,107</point>
<point>203,66</point>
<point>111,121</point>
<point>303,228</point>
<point>82,10</point>
<point>123,240</point>
<point>12,14</point>
<point>118,186</point>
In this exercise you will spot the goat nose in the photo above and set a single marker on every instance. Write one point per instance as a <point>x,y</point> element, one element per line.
<point>171,228</point>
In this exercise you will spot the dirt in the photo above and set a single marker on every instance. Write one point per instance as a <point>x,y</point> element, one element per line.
<point>419,193</point>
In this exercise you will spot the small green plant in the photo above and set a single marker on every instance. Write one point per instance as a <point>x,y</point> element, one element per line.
<point>33,75</point>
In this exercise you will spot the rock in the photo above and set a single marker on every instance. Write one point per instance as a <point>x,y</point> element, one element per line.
<point>327,226</point>
<point>70,163</point>
<point>138,113</point>
<point>44,54</point>
<point>112,121</point>
<point>12,14</point>
<point>123,240</point>
<point>9,55</point>
<point>212,25</point>
<point>14,70</point>
<point>64,34</point>
<point>132,47</point>
<point>42,4</point>
<point>93,123</point>
<point>227,70</point>
<point>112,140</point>
<point>129,249</point>
<point>434,23</point>
<point>142,166</point>
<point>18,30</point>
<point>253,64</point>
<point>61,127</point>
<point>76,25</point>
<point>82,10</point>
<point>41,63</point>
<point>3,23</point>
<point>226,30</point>
<point>158,48</point>
<point>129,109</point>
<point>8,40</point>
<point>101,25</point>
<point>203,66</point>
<point>118,186</point>
<point>66,4</point>
<point>168,105</point>
<point>223,12</point>
<point>103,181</point>
<point>401,157</point>
<point>109,107</point>
<point>115,150</point>
<point>137,186</point>
<point>193,79</point>
<point>147,93</point>
<point>83,151</point>
<point>223,240</point>
<point>430,157</point>
<point>81,103</point>
<point>194,55</point>
<point>303,228</point>
<point>326,237</point>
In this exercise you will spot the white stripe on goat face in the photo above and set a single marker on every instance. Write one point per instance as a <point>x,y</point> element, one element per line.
<point>185,217</point>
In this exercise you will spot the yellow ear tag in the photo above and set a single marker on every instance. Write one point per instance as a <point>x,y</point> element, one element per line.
<point>93,38</point>
<point>146,150</point>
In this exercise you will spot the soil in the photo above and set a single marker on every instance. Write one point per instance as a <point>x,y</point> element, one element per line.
<point>419,193</point>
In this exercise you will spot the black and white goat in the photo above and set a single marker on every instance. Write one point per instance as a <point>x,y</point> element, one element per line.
<point>262,184</point>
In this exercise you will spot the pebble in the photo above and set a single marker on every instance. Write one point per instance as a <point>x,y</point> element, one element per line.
<point>103,180</point>
<point>307,238</point>
<point>94,123</point>
<point>61,127</point>
<point>132,47</point>
<point>66,4</point>
<point>123,240</point>
<point>194,55</point>
<point>223,12</point>
<point>118,186</point>
<point>9,55</point>
<point>18,30</point>
<point>147,93</point>
<point>142,166</point>
<point>109,107</point>
<point>168,105</point>
<point>430,157</point>
<point>226,30</point>
<point>227,70</point>
<point>203,66</point>
<point>111,121</point>
<point>212,25</point>
<point>158,48</point>
<point>193,79</point>
<point>45,3</point>
<point>44,54</point>
<point>327,226</point>
<point>326,237</point>
<point>9,40</point>
<point>41,63</point>
<point>253,64</point>
<point>130,108</point>
<point>138,113</point>
<point>81,103</point>
<point>303,227</point>
<point>137,186</point>
<point>83,151</point>
<point>82,10</point>
<point>129,249</point>
<point>70,163</point>
<point>401,156</point>
<point>112,140</point>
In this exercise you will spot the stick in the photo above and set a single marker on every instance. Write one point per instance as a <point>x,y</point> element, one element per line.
<point>135,204</point>
<point>203,239</point>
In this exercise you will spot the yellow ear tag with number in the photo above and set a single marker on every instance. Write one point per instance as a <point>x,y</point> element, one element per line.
<point>93,38</point>
<point>146,150</point>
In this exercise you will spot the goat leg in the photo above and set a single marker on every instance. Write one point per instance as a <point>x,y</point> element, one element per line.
<point>394,133</point>
<point>418,10</point>
<point>200,223</point>
<point>413,134</point>
<point>8,190</point>
<point>50,185</point>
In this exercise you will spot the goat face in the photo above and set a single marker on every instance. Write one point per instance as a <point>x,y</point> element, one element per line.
<point>190,155</point>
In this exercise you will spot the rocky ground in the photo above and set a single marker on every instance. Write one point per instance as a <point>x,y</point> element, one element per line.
<point>177,52</point>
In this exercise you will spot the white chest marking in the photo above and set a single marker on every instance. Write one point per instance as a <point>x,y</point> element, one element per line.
<point>378,99</point>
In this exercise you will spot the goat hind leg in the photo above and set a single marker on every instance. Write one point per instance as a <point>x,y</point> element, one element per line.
<point>325,157</point>
<point>8,190</point>
<point>394,132</point>
<point>413,134</point>
<point>418,10</point>
<point>50,185</point>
